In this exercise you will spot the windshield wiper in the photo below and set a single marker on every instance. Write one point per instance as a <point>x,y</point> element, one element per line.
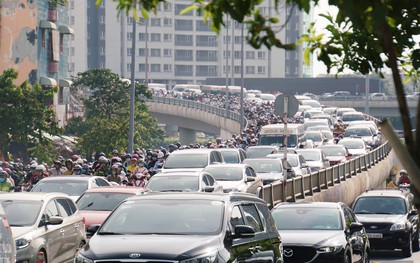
<point>12,225</point>
<point>109,233</point>
<point>363,212</point>
<point>86,206</point>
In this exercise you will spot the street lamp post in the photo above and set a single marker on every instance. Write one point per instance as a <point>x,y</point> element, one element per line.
<point>242,78</point>
<point>132,90</point>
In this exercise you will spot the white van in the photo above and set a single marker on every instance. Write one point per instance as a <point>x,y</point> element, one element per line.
<point>179,89</point>
<point>157,87</point>
<point>272,134</point>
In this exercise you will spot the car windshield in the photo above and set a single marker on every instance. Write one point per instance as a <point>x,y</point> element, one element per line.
<point>291,159</point>
<point>230,156</point>
<point>21,213</point>
<point>225,173</point>
<point>311,155</point>
<point>357,132</point>
<point>258,152</point>
<point>380,205</point>
<point>316,137</point>
<point>101,201</point>
<point>307,218</point>
<point>356,144</point>
<point>333,151</point>
<point>171,183</point>
<point>264,166</point>
<point>166,217</point>
<point>72,188</point>
<point>191,160</point>
<point>353,117</point>
<point>277,139</point>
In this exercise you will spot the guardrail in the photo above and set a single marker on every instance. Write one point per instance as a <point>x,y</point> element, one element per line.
<point>198,105</point>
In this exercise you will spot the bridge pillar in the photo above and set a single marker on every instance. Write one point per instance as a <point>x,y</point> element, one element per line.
<point>224,134</point>
<point>171,130</point>
<point>186,136</point>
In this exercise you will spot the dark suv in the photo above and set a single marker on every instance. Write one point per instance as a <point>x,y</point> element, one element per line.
<point>390,219</point>
<point>186,228</point>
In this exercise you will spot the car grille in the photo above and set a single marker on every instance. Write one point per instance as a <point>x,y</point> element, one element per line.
<point>292,254</point>
<point>376,226</point>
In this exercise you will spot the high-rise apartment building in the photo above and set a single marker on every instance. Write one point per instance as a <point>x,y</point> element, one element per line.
<point>172,48</point>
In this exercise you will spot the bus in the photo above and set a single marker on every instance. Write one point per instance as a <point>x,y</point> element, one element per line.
<point>272,134</point>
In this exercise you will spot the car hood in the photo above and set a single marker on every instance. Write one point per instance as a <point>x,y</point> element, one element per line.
<point>166,170</point>
<point>336,158</point>
<point>315,238</point>
<point>232,184</point>
<point>94,217</point>
<point>270,176</point>
<point>380,218</point>
<point>314,163</point>
<point>357,151</point>
<point>162,247</point>
<point>20,231</point>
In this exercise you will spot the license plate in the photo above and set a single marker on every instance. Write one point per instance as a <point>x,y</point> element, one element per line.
<point>374,235</point>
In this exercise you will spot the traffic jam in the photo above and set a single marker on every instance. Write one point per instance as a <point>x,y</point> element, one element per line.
<point>198,202</point>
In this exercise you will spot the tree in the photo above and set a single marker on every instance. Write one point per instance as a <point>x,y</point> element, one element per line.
<point>24,116</point>
<point>106,121</point>
<point>365,37</point>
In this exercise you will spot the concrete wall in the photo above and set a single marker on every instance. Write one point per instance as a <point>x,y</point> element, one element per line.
<point>350,189</point>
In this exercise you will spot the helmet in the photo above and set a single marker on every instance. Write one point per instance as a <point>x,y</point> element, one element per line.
<point>160,155</point>
<point>8,171</point>
<point>77,167</point>
<point>33,166</point>
<point>103,159</point>
<point>115,152</point>
<point>114,166</point>
<point>3,173</point>
<point>128,156</point>
<point>101,154</point>
<point>69,161</point>
<point>75,157</point>
<point>403,172</point>
<point>40,168</point>
<point>133,160</point>
<point>57,162</point>
<point>135,155</point>
<point>79,161</point>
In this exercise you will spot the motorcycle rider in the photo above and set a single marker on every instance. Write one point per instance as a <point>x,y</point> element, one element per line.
<point>5,184</point>
<point>114,177</point>
<point>57,169</point>
<point>69,167</point>
<point>77,169</point>
<point>404,179</point>
<point>102,168</point>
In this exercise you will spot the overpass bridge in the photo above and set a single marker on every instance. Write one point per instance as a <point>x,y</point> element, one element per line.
<point>343,182</point>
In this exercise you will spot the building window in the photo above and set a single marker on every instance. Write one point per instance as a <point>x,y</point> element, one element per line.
<point>183,25</point>
<point>250,55</point>
<point>142,52</point>
<point>296,26</point>
<point>129,53</point>
<point>224,54</point>
<point>296,55</point>
<point>296,70</point>
<point>167,52</point>
<point>167,6</point>
<point>143,37</point>
<point>102,35</point>
<point>238,54</point>
<point>102,19</point>
<point>261,55</point>
<point>72,51</point>
<point>155,22</point>
<point>128,66</point>
<point>287,70</point>
<point>167,22</point>
<point>183,55</point>
<point>237,69</point>
<point>287,55</point>
<point>167,37</point>
<point>179,8</point>
<point>102,51</point>
<point>183,40</point>
<point>250,70</point>
<point>129,35</point>
<point>71,20</point>
<point>167,67</point>
<point>71,67</point>
<point>130,20</point>
<point>261,70</point>
<point>155,52</point>
<point>71,4</point>
<point>224,69</point>
<point>202,26</point>
<point>155,37</point>
<point>183,70</point>
<point>142,67</point>
<point>238,40</point>
<point>228,39</point>
<point>155,68</point>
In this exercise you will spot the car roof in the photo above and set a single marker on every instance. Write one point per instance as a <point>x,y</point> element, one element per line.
<point>351,139</point>
<point>308,150</point>
<point>260,159</point>
<point>33,196</point>
<point>71,178</point>
<point>181,173</point>
<point>262,147</point>
<point>193,151</point>
<point>223,197</point>
<point>229,149</point>
<point>227,165</point>
<point>353,113</point>
<point>309,204</point>
<point>388,192</point>
<point>117,189</point>
<point>331,146</point>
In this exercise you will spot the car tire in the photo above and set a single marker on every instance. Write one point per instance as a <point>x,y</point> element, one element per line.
<point>44,255</point>
<point>407,251</point>
<point>416,243</point>
<point>366,257</point>
<point>347,259</point>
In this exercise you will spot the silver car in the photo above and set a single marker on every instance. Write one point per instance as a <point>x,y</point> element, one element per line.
<point>45,226</point>
<point>7,243</point>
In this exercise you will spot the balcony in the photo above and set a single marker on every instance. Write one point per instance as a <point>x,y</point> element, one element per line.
<point>53,66</point>
<point>206,58</point>
<point>205,43</point>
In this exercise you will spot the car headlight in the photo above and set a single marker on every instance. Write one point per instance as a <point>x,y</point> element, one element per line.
<point>208,258</point>
<point>22,243</point>
<point>81,259</point>
<point>398,226</point>
<point>329,249</point>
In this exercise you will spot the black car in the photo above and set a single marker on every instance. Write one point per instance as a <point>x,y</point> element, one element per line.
<point>187,228</point>
<point>390,219</point>
<point>320,232</point>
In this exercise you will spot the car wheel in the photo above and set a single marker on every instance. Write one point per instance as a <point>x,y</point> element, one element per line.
<point>416,243</point>
<point>42,256</point>
<point>347,259</point>
<point>366,256</point>
<point>407,251</point>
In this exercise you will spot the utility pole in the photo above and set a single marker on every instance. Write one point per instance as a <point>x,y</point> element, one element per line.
<point>147,51</point>
<point>227,65</point>
<point>242,78</point>
<point>133,88</point>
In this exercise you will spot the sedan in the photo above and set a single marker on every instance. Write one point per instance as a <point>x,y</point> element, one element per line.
<point>356,146</point>
<point>315,158</point>
<point>316,137</point>
<point>47,227</point>
<point>74,186</point>
<point>235,177</point>
<point>260,151</point>
<point>270,170</point>
<point>336,153</point>
<point>183,182</point>
<point>321,232</point>
<point>97,203</point>
<point>233,155</point>
<point>296,161</point>
<point>364,132</point>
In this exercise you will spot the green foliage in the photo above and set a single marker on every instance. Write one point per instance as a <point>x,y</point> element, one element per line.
<point>45,152</point>
<point>24,116</point>
<point>106,123</point>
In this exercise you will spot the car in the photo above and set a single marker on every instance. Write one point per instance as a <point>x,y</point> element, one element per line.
<point>315,158</point>
<point>46,226</point>
<point>313,103</point>
<point>97,203</point>
<point>315,122</point>
<point>7,243</point>
<point>74,186</point>
<point>324,117</point>
<point>319,128</point>
<point>348,117</point>
<point>413,96</point>
<point>271,170</point>
<point>309,114</point>
<point>317,137</point>
<point>364,132</point>
<point>340,95</point>
<point>297,162</point>
<point>356,146</point>
<point>321,232</point>
<point>233,155</point>
<point>192,160</point>
<point>186,227</point>
<point>341,111</point>
<point>235,177</point>
<point>371,124</point>
<point>331,111</point>
<point>378,96</point>
<point>260,151</point>
<point>390,219</point>
<point>336,153</point>
<point>187,181</point>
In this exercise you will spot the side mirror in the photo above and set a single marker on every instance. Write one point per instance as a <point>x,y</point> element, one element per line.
<point>92,229</point>
<point>356,227</point>
<point>55,220</point>
<point>160,165</point>
<point>243,231</point>
<point>250,179</point>
<point>209,189</point>
<point>412,212</point>
<point>304,165</point>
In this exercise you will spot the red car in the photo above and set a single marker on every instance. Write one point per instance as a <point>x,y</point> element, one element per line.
<point>97,203</point>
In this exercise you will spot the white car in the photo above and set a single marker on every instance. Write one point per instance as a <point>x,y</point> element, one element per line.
<point>270,170</point>
<point>235,177</point>
<point>378,96</point>
<point>356,146</point>
<point>297,161</point>
<point>363,132</point>
<point>192,160</point>
<point>315,158</point>
<point>349,117</point>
